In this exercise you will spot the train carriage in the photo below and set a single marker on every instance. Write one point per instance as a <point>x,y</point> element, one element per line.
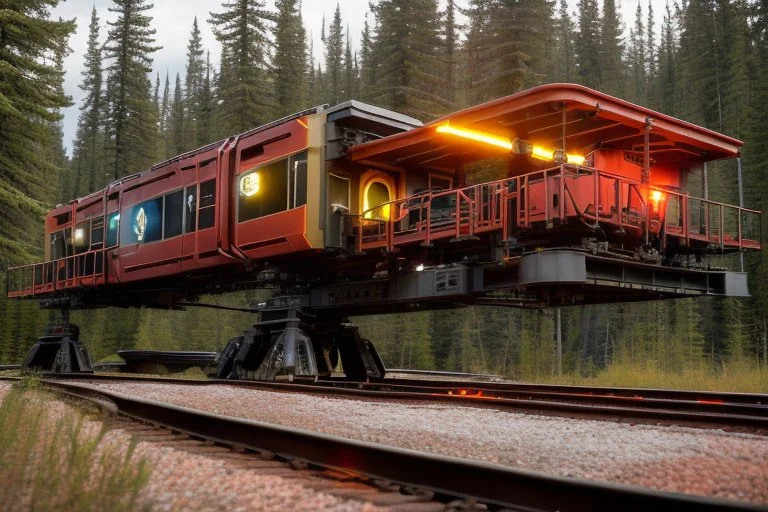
<point>557,195</point>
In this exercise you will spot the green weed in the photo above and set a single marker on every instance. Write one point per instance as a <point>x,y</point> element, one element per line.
<point>62,465</point>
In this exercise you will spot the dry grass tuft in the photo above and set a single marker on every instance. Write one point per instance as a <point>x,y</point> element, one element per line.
<point>736,379</point>
<point>53,458</point>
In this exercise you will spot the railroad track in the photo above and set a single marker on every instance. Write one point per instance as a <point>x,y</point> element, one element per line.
<point>440,477</point>
<point>741,411</point>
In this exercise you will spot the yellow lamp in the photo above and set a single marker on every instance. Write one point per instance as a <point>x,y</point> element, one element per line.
<point>477,136</point>
<point>249,184</point>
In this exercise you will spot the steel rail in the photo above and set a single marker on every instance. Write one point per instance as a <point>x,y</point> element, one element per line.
<point>492,484</point>
<point>686,412</point>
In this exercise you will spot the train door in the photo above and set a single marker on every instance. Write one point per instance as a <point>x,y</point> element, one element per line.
<point>151,225</point>
<point>339,199</point>
<point>377,190</point>
<point>111,232</point>
<point>206,234</point>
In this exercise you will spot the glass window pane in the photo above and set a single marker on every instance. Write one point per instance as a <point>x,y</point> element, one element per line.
<point>113,224</point>
<point>207,210</point>
<point>207,193</point>
<point>263,191</point>
<point>143,222</point>
<point>190,209</point>
<point>298,173</point>
<point>173,215</point>
<point>58,245</point>
<point>81,240</point>
<point>97,232</point>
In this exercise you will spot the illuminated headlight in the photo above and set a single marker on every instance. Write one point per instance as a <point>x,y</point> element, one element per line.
<point>249,184</point>
<point>419,267</point>
<point>79,235</point>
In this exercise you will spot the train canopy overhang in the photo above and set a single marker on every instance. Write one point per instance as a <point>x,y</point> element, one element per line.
<point>588,120</point>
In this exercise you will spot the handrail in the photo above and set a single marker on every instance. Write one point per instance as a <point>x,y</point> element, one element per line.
<point>381,229</point>
<point>48,276</point>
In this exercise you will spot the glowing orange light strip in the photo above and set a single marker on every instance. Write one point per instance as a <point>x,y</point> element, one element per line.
<point>485,138</point>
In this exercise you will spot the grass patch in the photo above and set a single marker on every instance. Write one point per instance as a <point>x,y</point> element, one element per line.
<point>737,379</point>
<point>62,464</point>
<point>111,358</point>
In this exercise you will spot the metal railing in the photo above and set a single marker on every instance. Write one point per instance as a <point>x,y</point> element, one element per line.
<point>84,269</point>
<point>596,197</point>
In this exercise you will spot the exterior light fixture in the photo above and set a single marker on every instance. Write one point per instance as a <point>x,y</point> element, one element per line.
<point>419,267</point>
<point>542,153</point>
<point>656,196</point>
<point>79,235</point>
<point>477,136</point>
<point>574,159</point>
<point>249,184</point>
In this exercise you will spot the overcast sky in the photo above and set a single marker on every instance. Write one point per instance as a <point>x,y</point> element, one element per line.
<point>173,21</point>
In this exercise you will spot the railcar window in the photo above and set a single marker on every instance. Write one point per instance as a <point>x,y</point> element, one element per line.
<point>61,246</point>
<point>297,172</point>
<point>207,204</point>
<point>273,188</point>
<point>97,232</point>
<point>81,240</point>
<point>113,224</point>
<point>174,214</point>
<point>143,222</point>
<point>190,209</point>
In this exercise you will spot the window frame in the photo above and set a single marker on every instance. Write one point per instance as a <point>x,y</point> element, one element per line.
<point>290,183</point>
<point>207,207</point>
<point>162,216</point>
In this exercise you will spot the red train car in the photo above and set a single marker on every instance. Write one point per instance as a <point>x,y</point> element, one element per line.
<point>554,166</point>
<point>557,195</point>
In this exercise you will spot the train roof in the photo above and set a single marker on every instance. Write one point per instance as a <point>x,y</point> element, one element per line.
<point>592,120</point>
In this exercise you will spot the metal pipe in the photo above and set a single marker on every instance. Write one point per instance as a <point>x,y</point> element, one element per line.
<point>741,205</point>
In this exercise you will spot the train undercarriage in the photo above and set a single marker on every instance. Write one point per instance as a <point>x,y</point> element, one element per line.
<point>305,328</point>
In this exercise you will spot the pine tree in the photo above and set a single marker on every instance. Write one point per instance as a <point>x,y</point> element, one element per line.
<point>350,77</point>
<point>89,145</point>
<point>30,98</point>
<point>637,59</point>
<point>511,45</point>
<point>334,58</point>
<point>563,66</point>
<point>163,121</point>
<point>131,124</point>
<point>244,93</point>
<point>290,62</point>
<point>193,84</point>
<point>733,16</point>
<point>177,122</point>
<point>450,32</point>
<point>667,75</point>
<point>407,51</point>
<point>587,44</point>
<point>57,189</point>
<point>367,67</point>
<point>611,50</point>
<point>205,128</point>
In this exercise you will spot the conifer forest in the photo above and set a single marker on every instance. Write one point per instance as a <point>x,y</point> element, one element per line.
<point>706,62</point>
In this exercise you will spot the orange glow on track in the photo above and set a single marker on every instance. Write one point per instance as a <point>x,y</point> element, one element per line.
<point>477,136</point>
<point>711,402</point>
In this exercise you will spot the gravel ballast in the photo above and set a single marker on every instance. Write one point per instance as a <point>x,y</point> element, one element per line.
<point>182,481</point>
<point>696,461</point>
